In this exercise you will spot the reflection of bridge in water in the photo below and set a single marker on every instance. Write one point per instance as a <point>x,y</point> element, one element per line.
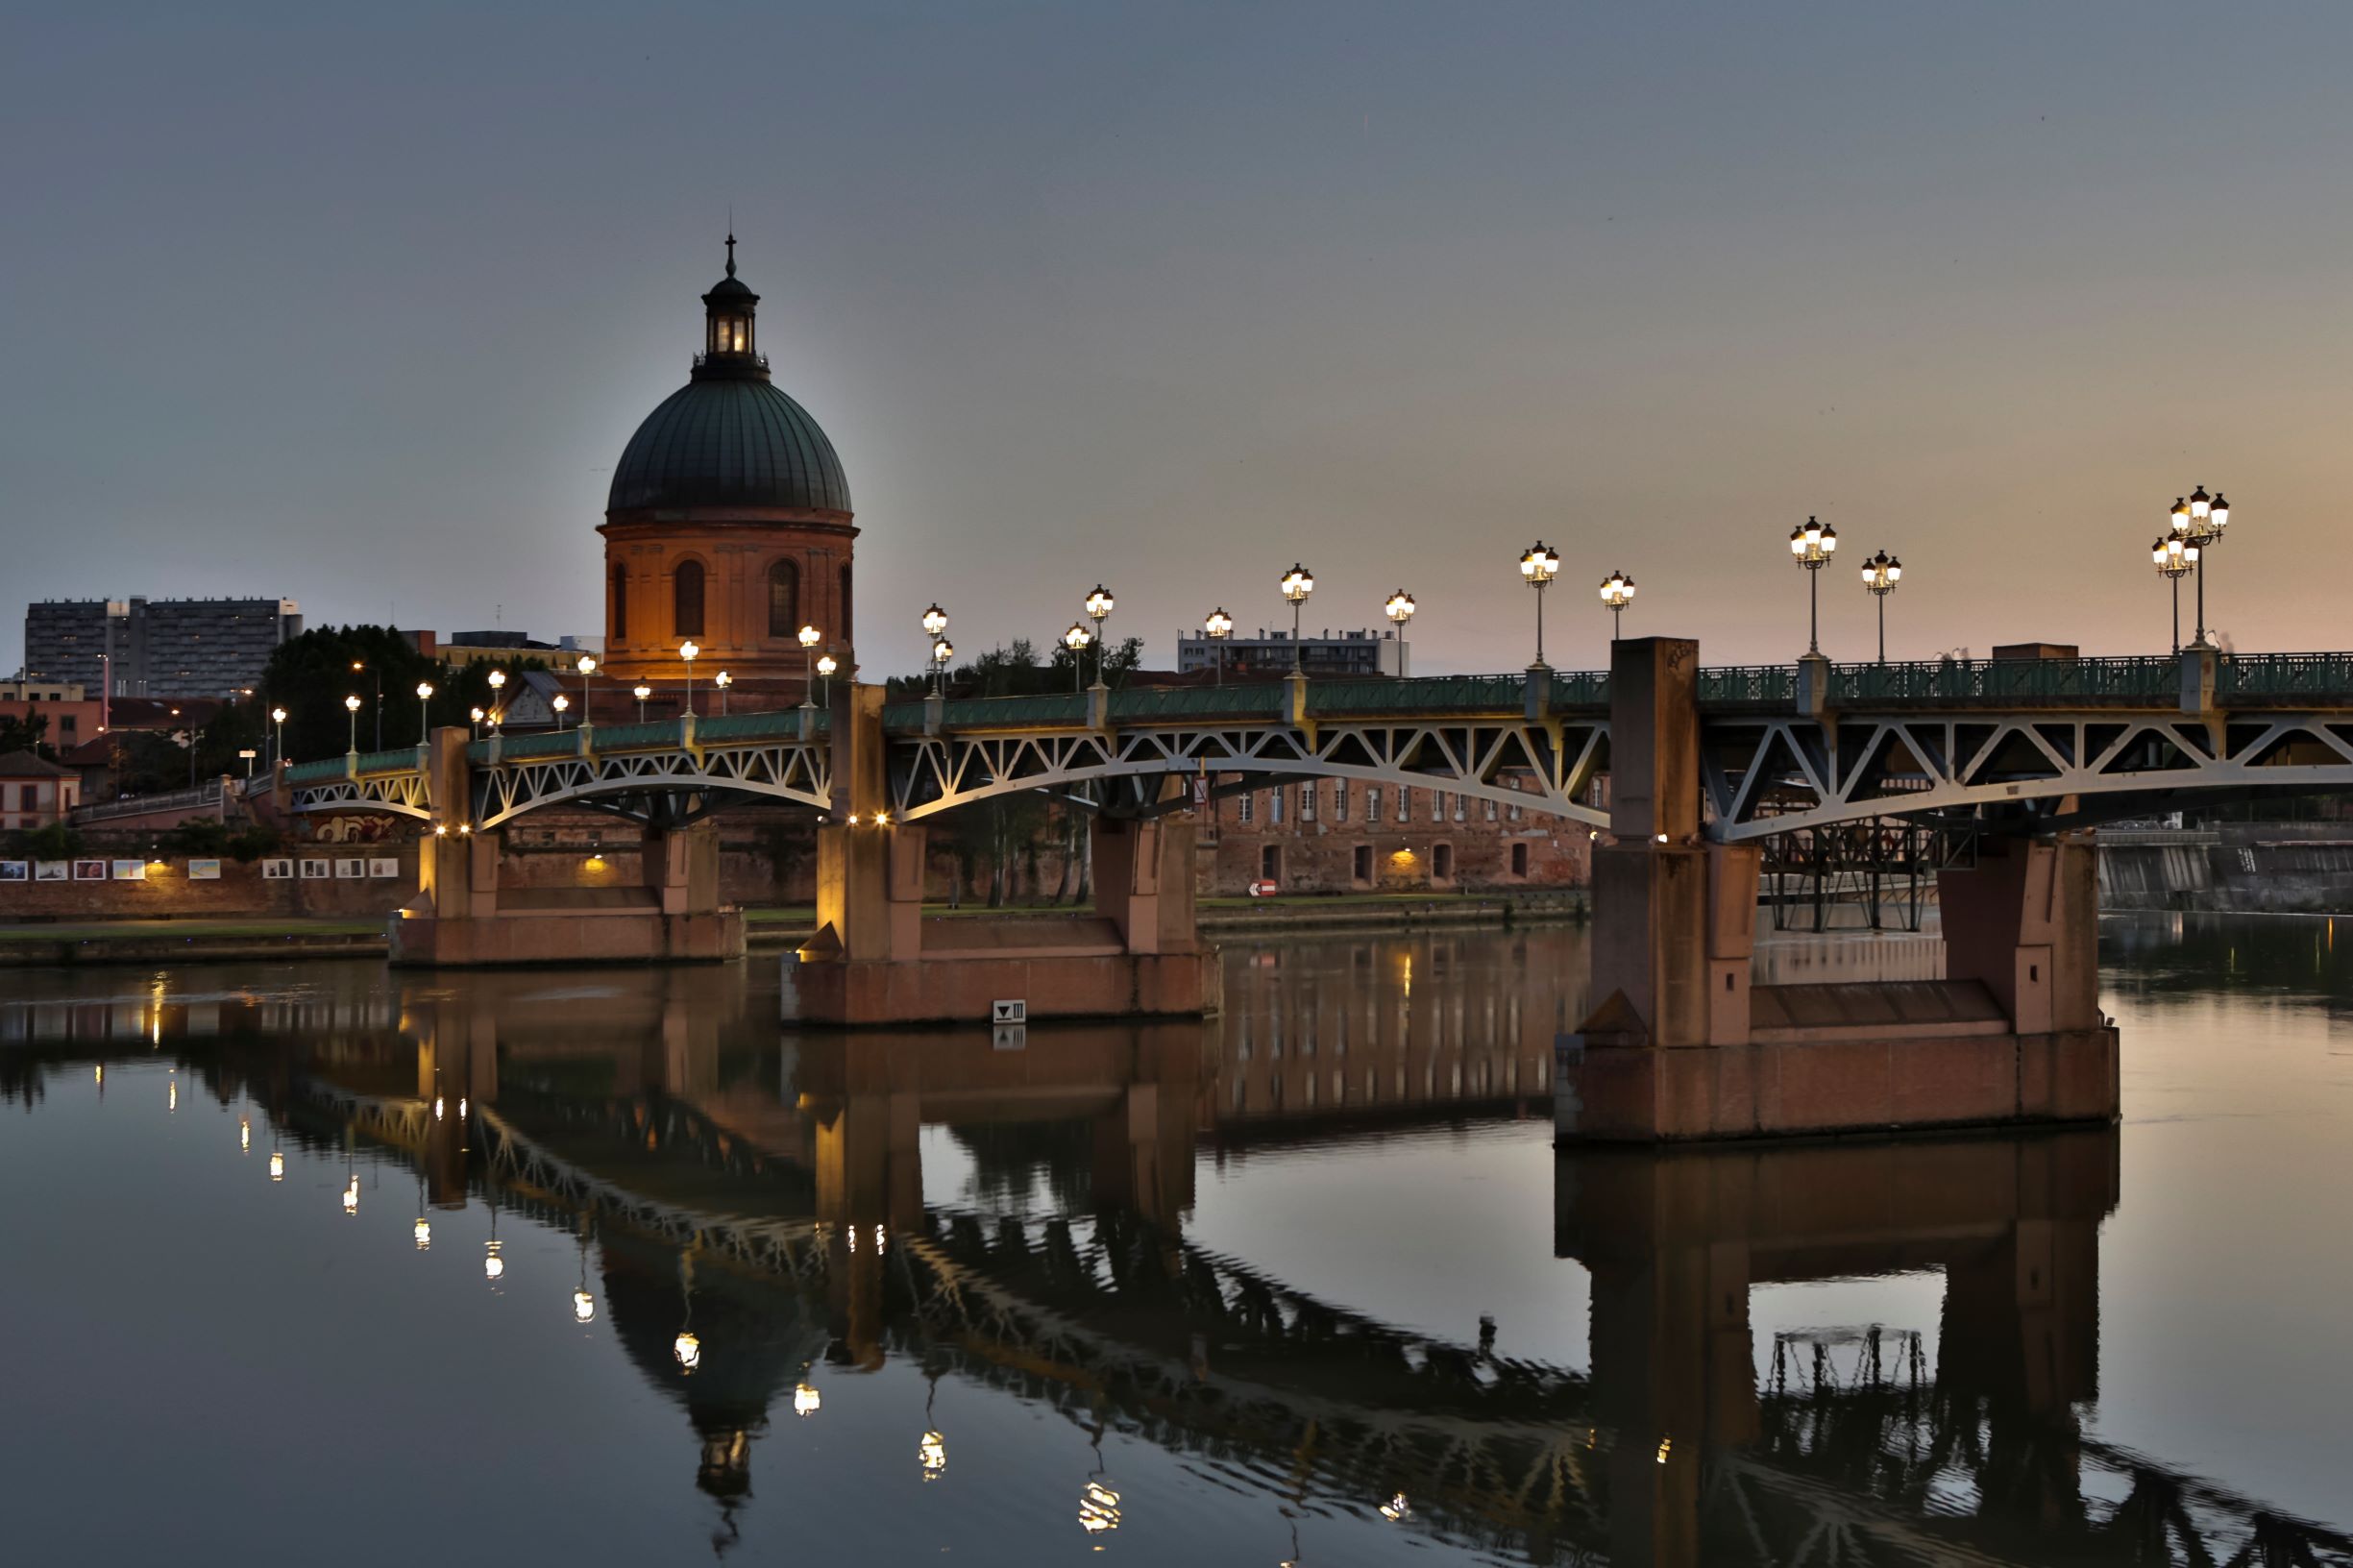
<point>774,1206</point>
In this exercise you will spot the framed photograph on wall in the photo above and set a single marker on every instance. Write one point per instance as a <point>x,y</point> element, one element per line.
<point>314,867</point>
<point>384,868</point>
<point>279,869</point>
<point>89,871</point>
<point>53,870</point>
<point>350,866</point>
<point>15,870</point>
<point>130,871</point>
<point>204,870</point>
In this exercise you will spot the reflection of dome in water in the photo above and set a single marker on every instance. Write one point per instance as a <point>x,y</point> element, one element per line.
<point>755,1338</point>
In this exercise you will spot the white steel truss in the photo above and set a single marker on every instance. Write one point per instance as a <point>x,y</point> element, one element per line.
<point>406,795</point>
<point>800,771</point>
<point>1479,757</point>
<point>1767,776</point>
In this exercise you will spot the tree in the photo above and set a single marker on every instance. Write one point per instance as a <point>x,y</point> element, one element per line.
<point>27,734</point>
<point>310,676</point>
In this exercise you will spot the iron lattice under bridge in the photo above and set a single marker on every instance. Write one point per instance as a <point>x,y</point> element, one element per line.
<point>1780,746</point>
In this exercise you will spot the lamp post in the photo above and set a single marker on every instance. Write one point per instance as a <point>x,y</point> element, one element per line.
<point>476,714</point>
<point>826,664</point>
<point>278,749</point>
<point>1217,626</point>
<point>2201,521</point>
<point>1098,610</point>
<point>941,653</point>
<point>357,665</point>
<point>2175,558</point>
<point>561,703</point>
<point>687,651</point>
<point>351,705</point>
<point>498,706</point>
<point>1880,574</point>
<point>641,693</point>
<point>1617,592</point>
<point>425,712</point>
<point>587,668</point>
<point>1297,583</point>
<point>1538,566</point>
<point>1076,640</point>
<point>1400,609</point>
<point>722,680</point>
<point>810,637</point>
<point>1811,546</point>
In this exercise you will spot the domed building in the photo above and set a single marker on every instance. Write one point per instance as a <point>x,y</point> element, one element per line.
<point>729,521</point>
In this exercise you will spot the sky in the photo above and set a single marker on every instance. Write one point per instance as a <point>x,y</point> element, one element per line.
<point>357,306</point>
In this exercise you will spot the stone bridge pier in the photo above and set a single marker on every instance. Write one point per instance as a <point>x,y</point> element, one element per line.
<point>876,960</point>
<point>1682,1044</point>
<point>463,917</point>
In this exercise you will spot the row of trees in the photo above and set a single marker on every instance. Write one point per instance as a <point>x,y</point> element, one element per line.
<point>310,676</point>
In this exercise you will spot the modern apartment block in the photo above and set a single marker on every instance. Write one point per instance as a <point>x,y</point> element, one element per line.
<point>157,647</point>
<point>1274,654</point>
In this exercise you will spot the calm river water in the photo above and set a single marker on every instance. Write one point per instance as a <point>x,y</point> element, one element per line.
<point>321,1262</point>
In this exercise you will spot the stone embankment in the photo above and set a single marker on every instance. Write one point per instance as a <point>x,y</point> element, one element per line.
<point>2253,867</point>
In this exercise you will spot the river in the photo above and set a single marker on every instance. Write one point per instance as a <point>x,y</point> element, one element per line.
<point>324,1260</point>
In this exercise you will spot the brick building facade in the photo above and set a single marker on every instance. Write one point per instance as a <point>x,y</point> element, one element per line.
<point>1329,835</point>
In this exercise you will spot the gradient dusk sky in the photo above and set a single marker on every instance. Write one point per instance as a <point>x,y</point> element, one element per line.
<point>357,306</point>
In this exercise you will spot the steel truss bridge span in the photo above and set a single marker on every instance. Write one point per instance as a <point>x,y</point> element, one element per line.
<point>2112,737</point>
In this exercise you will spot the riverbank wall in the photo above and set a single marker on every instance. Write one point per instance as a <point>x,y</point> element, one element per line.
<point>2244,868</point>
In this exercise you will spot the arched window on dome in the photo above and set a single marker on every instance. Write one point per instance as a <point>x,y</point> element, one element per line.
<point>621,602</point>
<point>783,599</point>
<point>686,601</point>
<point>845,632</point>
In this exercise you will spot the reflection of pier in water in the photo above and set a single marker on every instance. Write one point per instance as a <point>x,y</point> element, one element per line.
<point>771,1204</point>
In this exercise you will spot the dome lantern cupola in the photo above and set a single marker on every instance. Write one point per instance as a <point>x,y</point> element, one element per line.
<point>729,345</point>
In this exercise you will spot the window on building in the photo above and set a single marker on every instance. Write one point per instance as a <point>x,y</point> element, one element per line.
<point>1339,800</point>
<point>1277,793</point>
<point>1404,804</point>
<point>621,601</point>
<point>686,601</point>
<point>1490,805</point>
<point>1270,862</point>
<point>1442,862</point>
<point>1519,860</point>
<point>1246,807</point>
<point>1372,805</point>
<point>783,599</point>
<point>841,612</point>
<point>1364,867</point>
<point>1463,806</point>
<point>1306,802</point>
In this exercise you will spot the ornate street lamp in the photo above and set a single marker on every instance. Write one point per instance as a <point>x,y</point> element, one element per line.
<point>935,621</point>
<point>2175,558</point>
<point>278,750</point>
<point>826,664</point>
<point>810,637</point>
<point>1297,583</point>
<point>476,716</point>
<point>687,651</point>
<point>641,692</point>
<point>425,712</point>
<point>1217,626</point>
<point>562,702</point>
<point>1811,546</point>
<point>722,680</point>
<point>1617,592</point>
<point>1076,640</point>
<point>941,653</point>
<point>2201,521</point>
<point>1098,610</point>
<point>587,668</point>
<point>1537,568</point>
<point>1880,574</point>
<point>1400,609</point>
<point>351,705</point>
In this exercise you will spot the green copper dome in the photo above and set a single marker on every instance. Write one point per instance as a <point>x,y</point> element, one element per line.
<point>728,438</point>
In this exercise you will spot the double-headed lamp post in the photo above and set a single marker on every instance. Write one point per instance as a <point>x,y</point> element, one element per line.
<point>2175,558</point>
<point>1297,583</point>
<point>1076,640</point>
<point>1400,609</point>
<point>351,705</point>
<point>687,651</point>
<point>1617,592</point>
<point>1538,566</point>
<point>2201,521</point>
<point>810,637</point>
<point>1098,610</point>
<point>1880,574</point>
<point>425,712</point>
<point>1217,626</point>
<point>1811,546</point>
